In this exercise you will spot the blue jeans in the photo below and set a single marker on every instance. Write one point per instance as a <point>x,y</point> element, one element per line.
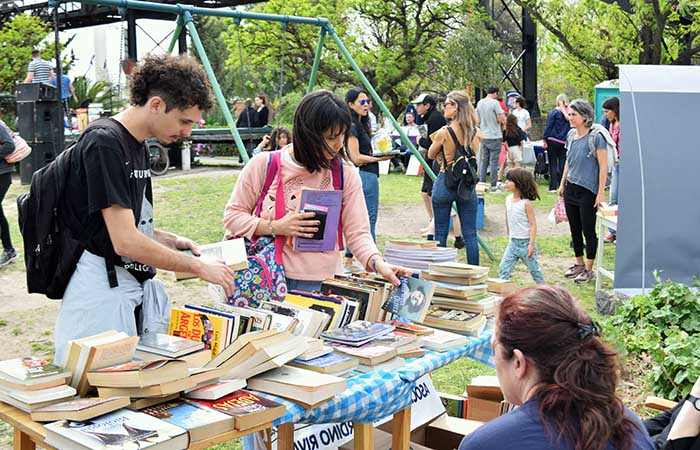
<point>614,184</point>
<point>370,188</point>
<point>466,209</point>
<point>517,249</point>
<point>302,285</point>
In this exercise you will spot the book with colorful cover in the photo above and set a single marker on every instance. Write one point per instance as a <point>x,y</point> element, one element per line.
<point>197,326</point>
<point>248,408</point>
<point>357,333</point>
<point>330,363</point>
<point>413,328</point>
<point>233,320</point>
<point>121,429</point>
<point>411,299</point>
<point>30,370</point>
<point>200,421</point>
<point>328,203</point>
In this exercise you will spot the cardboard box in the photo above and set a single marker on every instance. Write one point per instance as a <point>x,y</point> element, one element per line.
<point>382,441</point>
<point>443,433</point>
<point>484,398</point>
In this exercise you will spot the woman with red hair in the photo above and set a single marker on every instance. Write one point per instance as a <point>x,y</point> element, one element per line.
<point>551,362</point>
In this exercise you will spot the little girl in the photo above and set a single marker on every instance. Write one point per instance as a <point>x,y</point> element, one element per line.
<point>521,225</point>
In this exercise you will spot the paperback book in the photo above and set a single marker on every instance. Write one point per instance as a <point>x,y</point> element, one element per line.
<point>331,363</point>
<point>410,300</point>
<point>79,409</point>
<point>357,333</point>
<point>231,252</point>
<point>168,346</point>
<point>326,204</point>
<point>199,421</point>
<point>247,408</point>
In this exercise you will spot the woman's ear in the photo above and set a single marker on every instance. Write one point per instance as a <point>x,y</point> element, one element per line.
<point>521,364</point>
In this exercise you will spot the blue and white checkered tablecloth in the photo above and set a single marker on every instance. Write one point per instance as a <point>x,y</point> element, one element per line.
<point>374,395</point>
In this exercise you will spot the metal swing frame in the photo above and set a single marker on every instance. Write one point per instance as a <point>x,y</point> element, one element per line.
<point>185,20</point>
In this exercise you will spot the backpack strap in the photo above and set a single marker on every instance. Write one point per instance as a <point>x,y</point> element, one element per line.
<point>467,150</point>
<point>338,175</point>
<point>274,163</point>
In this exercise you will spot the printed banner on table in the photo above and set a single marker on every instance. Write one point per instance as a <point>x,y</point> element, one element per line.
<point>425,407</point>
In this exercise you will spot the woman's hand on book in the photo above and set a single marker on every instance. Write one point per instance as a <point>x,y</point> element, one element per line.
<point>297,224</point>
<point>391,272</point>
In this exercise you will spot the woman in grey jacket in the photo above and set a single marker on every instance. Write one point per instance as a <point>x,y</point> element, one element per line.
<point>7,146</point>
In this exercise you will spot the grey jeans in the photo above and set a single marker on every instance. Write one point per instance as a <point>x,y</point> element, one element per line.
<point>490,150</point>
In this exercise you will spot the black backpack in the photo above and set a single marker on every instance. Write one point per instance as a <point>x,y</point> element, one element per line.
<point>52,247</point>
<point>541,166</point>
<point>461,174</point>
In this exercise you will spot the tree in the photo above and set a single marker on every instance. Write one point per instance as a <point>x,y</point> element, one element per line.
<point>473,56</point>
<point>611,32</point>
<point>17,39</point>
<point>95,92</point>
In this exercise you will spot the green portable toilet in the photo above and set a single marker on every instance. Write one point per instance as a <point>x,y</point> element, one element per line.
<point>604,90</point>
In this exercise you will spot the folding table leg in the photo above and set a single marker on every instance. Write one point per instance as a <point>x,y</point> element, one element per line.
<point>22,441</point>
<point>285,436</point>
<point>364,436</point>
<point>401,432</point>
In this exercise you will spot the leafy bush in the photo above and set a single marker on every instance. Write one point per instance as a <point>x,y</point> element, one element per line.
<point>664,328</point>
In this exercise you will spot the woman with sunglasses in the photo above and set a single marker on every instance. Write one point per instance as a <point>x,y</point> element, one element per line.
<point>459,110</point>
<point>360,152</point>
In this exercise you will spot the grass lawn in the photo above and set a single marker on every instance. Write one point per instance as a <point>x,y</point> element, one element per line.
<point>193,207</point>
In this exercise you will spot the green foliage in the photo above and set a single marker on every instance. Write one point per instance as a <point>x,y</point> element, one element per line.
<point>664,326</point>
<point>474,56</point>
<point>17,38</point>
<point>96,92</point>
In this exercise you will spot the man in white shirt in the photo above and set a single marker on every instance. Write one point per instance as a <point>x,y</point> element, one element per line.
<point>491,119</point>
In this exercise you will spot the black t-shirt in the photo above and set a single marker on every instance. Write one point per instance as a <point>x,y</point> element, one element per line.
<point>360,132</point>
<point>513,141</point>
<point>111,169</point>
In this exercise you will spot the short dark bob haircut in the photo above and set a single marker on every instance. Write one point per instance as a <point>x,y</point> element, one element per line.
<point>318,112</point>
<point>179,80</point>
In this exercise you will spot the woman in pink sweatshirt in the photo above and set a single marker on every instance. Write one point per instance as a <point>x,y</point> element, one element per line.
<point>321,125</point>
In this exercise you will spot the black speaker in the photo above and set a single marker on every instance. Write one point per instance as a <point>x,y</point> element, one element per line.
<point>42,154</point>
<point>34,92</point>
<point>39,122</point>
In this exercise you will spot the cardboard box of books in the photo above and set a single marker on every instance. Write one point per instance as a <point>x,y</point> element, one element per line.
<point>444,432</point>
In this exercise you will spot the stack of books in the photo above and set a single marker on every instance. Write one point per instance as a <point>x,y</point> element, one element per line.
<point>333,364</point>
<point>96,352</point>
<point>156,346</point>
<point>456,320</point>
<point>417,255</point>
<point>370,292</point>
<point>257,352</point>
<point>302,321</point>
<point>461,287</point>
<point>79,409</point>
<point>299,385</point>
<point>368,354</point>
<point>31,383</point>
<point>315,348</point>
<point>357,333</point>
<point>340,310</point>
<point>138,379</point>
<point>215,328</point>
<point>502,287</point>
<point>442,341</point>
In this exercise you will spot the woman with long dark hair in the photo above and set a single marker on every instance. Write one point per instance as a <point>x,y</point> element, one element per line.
<point>321,127</point>
<point>262,112</point>
<point>611,109</point>
<point>459,110</point>
<point>551,362</point>
<point>360,152</point>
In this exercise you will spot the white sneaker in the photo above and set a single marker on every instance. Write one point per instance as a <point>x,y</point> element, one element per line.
<point>495,190</point>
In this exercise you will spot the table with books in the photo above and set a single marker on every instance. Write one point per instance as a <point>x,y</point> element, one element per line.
<point>375,395</point>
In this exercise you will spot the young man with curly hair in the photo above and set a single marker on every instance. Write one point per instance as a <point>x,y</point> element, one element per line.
<point>109,191</point>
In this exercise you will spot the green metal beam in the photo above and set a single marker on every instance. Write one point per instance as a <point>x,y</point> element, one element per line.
<point>189,23</point>
<point>176,34</point>
<point>317,59</point>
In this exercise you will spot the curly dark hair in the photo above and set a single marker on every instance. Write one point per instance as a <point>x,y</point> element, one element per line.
<point>524,182</point>
<point>179,80</point>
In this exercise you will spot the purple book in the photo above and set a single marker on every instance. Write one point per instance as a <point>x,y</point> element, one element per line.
<point>330,201</point>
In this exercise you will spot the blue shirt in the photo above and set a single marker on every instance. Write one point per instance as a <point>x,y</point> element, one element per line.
<point>583,164</point>
<point>524,426</point>
<point>65,86</point>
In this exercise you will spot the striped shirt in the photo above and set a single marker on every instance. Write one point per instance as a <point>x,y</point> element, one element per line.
<point>41,70</point>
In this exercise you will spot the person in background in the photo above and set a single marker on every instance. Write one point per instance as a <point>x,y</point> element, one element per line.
<point>373,126</point>
<point>7,146</point>
<point>246,120</point>
<point>262,112</point>
<point>679,427</point>
<point>611,108</point>
<point>459,110</point>
<point>521,225</point>
<point>276,140</point>
<point>322,123</point>
<point>39,70</point>
<point>411,108</point>
<point>411,129</point>
<point>491,119</point>
<point>555,131</point>
<point>583,187</point>
<point>67,92</point>
<point>359,148</point>
<point>523,115</point>
<point>552,364</point>
<point>515,138</point>
<point>433,120</point>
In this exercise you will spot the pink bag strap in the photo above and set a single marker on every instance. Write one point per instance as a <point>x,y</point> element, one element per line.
<point>273,167</point>
<point>338,183</point>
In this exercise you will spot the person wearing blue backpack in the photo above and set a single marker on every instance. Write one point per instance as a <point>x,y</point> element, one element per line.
<point>264,204</point>
<point>107,200</point>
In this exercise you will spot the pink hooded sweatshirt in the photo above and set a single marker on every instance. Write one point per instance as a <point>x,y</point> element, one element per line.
<point>239,218</point>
